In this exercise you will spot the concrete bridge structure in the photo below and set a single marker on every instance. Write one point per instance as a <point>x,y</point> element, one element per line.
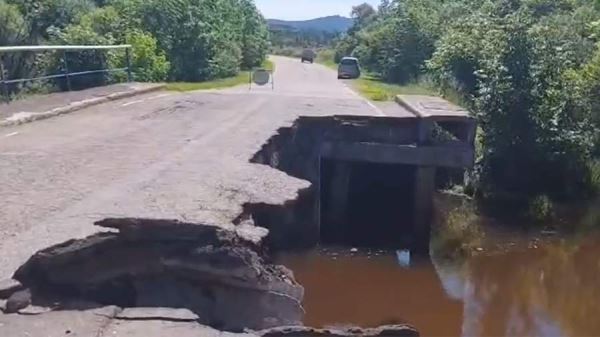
<point>373,177</point>
<point>440,135</point>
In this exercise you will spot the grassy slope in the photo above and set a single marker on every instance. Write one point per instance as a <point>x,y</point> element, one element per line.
<point>325,57</point>
<point>241,78</point>
<point>374,89</point>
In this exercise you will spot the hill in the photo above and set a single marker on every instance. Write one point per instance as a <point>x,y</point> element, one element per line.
<point>332,24</point>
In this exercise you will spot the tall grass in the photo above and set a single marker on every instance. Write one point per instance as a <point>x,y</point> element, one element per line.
<point>374,89</point>
<point>457,230</point>
<point>594,172</point>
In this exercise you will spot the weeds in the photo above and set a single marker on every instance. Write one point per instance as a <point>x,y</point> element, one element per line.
<point>457,231</point>
<point>374,89</point>
<point>540,209</point>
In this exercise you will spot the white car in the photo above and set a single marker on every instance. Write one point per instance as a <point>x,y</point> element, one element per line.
<point>349,68</point>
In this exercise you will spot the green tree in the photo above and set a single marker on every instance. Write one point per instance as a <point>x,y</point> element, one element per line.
<point>255,35</point>
<point>514,67</point>
<point>14,30</point>
<point>13,26</point>
<point>43,15</point>
<point>148,63</point>
<point>79,61</point>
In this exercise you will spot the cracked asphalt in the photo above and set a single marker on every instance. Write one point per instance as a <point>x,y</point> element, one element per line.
<point>160,155</point>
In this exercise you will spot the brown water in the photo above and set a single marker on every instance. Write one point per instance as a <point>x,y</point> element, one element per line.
<point>549,291</point>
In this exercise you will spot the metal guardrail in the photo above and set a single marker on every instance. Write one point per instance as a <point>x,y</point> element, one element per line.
<point>4,82</point>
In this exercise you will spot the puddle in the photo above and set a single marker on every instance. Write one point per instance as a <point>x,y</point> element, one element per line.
<point>550,291</point>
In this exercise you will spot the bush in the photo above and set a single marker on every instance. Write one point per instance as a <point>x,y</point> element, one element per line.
<point>226,60</point>
<point>514,70</point>
<point>147,62</point>
<point>457,230</point>
<point>540,209</point>
<point>13,31</point>
<point>81,60</point>
<point>205,39</point>
<point>13,25</point>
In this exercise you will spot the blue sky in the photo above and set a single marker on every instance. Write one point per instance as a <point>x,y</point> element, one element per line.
<point>307,9</point>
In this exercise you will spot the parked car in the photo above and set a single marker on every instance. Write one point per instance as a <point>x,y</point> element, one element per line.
<point>308,56</point>
<point>349,68</point>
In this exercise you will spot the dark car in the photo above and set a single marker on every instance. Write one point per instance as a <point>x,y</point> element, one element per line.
<point>349,68</point>
<point>308,56</point>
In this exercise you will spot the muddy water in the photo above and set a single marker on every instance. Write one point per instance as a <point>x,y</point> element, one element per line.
<point>549,291</point>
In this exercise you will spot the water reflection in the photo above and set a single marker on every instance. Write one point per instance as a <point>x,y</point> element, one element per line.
<point>545,292</point>
<point>551,291</point>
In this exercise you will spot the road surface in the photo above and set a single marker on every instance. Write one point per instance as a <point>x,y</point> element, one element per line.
<point>161,155</point>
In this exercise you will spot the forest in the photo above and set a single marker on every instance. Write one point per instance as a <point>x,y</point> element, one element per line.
<point>172,40</point>
<point>528,70</point>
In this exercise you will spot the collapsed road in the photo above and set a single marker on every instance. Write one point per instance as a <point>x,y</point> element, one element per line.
<point>197,159</point>
<point>180,156</point>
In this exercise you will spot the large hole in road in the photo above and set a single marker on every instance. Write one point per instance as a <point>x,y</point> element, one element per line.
<point>351,202</point>
<point>222,275</point>
<point>215,273</point>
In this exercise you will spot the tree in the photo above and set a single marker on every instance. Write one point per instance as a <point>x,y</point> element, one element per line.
<point>255,35</point>
<point>363,13</point>
<point>81,60</point>
<point>148,62</point>
<point>13,26</point>
<point>43,15</point>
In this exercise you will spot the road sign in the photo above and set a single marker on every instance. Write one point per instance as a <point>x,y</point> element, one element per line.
<point>261,77</point>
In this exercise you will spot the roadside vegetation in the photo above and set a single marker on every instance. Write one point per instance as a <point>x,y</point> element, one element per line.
<point>325,57</point>
<point>457,230</point>
<point>375,89</point>
<point>529,70</point>
<point>173,40</point>
<point>243,77</point>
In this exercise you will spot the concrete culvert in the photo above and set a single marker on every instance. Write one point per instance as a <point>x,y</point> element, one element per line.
<point>373,180</point>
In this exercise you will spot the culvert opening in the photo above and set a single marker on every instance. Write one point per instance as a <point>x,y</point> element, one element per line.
<point>366,204</point>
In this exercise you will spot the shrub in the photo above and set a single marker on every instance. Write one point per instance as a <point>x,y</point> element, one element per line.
<point>226,60</point>
<point>535,136</point>
<point>147,62</point>
<point>80,61</point>
<point>205,39</point>
<point>540,209</point>
<point>457,230</point>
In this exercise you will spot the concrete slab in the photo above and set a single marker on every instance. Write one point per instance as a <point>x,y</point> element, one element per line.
<point>57,323</point>
<point>438,156</point>
<point>157,314</point>
<point>36,107</point>
<point>161,328</point>
<point>393,109</point>
<point>431,107</point>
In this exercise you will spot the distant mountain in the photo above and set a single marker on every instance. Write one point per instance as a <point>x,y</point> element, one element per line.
<point>333,24</point>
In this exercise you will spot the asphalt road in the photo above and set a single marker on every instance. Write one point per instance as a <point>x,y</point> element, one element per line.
<point>161,155</point>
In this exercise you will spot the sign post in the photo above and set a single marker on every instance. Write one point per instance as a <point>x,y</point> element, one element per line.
<point>262,77</point>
